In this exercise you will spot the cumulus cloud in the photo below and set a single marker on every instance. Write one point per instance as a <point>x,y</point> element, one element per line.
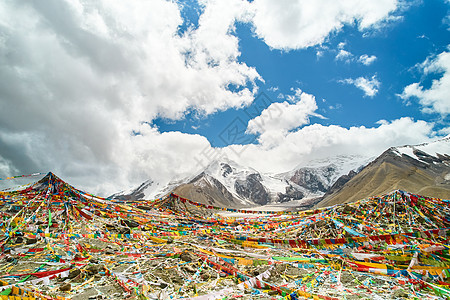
<point>317,141</point>
<point>82,83</point>
<point>435,99</point>
<point>344,55</point>
<point>368,86</point>
<point>366,59</point>
<point>300,24</point>
<point>279,118</point>
<point>79,80</point>
<point>130,161</point>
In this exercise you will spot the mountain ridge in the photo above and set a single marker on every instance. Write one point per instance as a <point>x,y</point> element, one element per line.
<point>422,169</point>
<point>227,183</point>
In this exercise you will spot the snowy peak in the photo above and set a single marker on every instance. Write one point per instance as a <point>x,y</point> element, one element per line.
<point>149,189</point>
<point>335,165</point>
<point>136,193</point>
<point>433,152</point>
<point>243,183</point>
<point>318,176</point>
<point>228,170</point>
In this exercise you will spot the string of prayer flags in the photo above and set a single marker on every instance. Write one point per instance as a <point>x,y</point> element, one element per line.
<point>58,242</point>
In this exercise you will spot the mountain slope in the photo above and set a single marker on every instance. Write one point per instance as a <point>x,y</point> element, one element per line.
<point>208,190</point>
<point>227,184</point>
<point>422,169</point>
<point>319,175</point>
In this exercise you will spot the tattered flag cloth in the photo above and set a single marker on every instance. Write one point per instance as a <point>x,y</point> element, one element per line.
<point>22,176</point>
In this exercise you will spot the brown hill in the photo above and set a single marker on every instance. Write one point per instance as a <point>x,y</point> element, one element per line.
<point>405,168</point>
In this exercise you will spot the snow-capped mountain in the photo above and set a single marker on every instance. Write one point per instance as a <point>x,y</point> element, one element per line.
<point>244,183</point>
<point>429,153</point>
<point>422,169</point>
<point>226,183</point>
<point>237,185</point>
<point>149,189</point>
<point>318,176</point>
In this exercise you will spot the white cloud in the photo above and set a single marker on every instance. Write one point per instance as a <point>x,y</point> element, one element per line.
<point>318,141</point>
<point>348,57</point>
<point>366,59</point>
<point>446,22</point>
<point>78,79</point>
<point>279,118</point>
<point>288,24</point>
<point>319,54</point>
<point>445,131</point>
<point>436,99</point>
<point>344,55</point>
<point>368,86</point>
<point>333,107</point>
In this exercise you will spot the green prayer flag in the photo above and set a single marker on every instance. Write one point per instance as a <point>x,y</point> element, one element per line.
<point>447,273</point>
<point>6,292</point>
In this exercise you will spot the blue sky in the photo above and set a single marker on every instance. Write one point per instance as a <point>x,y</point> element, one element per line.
<point>108,94</point>
<point>419,32</point>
